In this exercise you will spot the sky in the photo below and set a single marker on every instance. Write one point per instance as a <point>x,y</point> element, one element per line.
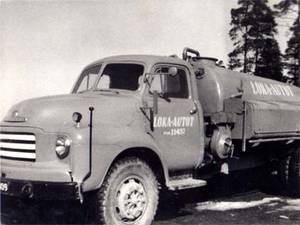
<point>45,44</point>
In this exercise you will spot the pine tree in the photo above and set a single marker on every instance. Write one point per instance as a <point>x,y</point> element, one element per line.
<point>269,65</point>
<point>255,48</point>
<point>292,53</point>
<point>240,21</point>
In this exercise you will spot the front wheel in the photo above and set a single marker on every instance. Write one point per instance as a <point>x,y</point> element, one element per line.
<point>129,194</point>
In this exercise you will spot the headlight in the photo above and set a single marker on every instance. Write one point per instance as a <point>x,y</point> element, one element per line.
<point>62,148</point>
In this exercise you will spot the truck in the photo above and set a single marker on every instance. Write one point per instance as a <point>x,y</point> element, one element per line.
<point>136,125</point>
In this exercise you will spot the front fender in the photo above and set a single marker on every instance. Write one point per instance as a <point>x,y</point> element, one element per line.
<point>105,152</point>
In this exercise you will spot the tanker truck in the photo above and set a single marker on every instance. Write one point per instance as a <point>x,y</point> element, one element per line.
<point>136,125</point>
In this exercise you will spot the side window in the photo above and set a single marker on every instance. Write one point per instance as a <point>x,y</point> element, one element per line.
<point>88,78</point>
<point>104,83</point>
<point>87,82</point>
<point>172,86</point>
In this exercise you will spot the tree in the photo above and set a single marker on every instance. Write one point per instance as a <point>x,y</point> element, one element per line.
<point>269,65</point>
<point>292,53</point>
<point>240,21</point>
<point>255,48</point>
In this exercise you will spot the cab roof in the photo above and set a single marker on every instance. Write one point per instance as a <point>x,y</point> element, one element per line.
<point>148,59</point>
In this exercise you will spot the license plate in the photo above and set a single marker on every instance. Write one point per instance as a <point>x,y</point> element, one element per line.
<point>3,186</point>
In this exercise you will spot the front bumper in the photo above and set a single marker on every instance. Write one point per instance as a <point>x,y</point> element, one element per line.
<point>39,190</point>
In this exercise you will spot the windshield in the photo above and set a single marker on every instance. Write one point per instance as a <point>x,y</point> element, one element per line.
<point>122,76</point>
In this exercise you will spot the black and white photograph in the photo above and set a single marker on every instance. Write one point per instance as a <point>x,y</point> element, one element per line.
<point>150,112</point>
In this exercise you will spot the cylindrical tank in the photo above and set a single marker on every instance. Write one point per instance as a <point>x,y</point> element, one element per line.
<point>273,107</point>
<point>217,84</point>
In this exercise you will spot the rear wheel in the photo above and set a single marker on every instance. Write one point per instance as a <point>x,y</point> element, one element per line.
<point>129,194</point>
<point>289,173</point>
<point>294,174</point>
<point>283,172</point>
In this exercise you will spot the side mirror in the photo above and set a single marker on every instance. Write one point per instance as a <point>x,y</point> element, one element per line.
<point>173,71</point>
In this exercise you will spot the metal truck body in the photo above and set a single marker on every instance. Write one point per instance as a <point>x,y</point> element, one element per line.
<point>149,120</point>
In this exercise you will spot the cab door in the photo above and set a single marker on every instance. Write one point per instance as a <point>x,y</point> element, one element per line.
<point>176,126</point>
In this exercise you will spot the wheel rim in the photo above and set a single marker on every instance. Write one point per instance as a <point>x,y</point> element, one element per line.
<point>131,200</point>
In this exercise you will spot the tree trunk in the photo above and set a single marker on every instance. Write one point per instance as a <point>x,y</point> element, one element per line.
<point>245,52</point>
<point>245,70</point>
<point>298,81</point>
<point>256,62</point>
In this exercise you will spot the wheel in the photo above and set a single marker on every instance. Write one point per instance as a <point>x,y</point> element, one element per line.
<point>289,173</point>
<point>294,174</point>
<point>129,194</point>
<point>283,173</point>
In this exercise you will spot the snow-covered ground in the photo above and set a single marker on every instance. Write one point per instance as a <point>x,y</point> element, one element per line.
<point>289,204</point>
<point>246,208</point>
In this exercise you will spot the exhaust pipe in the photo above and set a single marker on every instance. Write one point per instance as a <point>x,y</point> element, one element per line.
<point>91,109</point>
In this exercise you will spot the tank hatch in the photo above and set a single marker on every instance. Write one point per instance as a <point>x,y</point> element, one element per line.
<point>206,61</point>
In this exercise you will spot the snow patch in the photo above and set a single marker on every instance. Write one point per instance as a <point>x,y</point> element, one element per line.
<point>283,217</point>
<point>293,201</point>
<point>293,205</point>
<point>224,206</point>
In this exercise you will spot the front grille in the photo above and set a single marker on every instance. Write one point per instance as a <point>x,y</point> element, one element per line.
<point>18,146</point>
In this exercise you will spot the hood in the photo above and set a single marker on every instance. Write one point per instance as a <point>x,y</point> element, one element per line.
<point>54,113</point>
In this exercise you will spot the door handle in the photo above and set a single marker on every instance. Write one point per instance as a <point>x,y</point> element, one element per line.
<point>194,110</point>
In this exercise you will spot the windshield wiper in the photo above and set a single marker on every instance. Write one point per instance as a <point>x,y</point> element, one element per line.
<point>80,92</point>
<point>107,90</point>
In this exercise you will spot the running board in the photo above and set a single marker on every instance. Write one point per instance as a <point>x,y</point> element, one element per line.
<point>185,184</point>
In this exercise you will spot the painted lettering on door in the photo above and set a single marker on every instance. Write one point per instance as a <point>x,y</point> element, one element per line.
<point>177,124</point>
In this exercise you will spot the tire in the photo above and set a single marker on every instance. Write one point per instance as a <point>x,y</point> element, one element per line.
<point>289,174</point>
<point>283,173</point>
<point>294,174</point>
<point>128,195</point>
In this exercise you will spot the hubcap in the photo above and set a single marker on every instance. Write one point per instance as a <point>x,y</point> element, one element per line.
<point>131,200</point>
